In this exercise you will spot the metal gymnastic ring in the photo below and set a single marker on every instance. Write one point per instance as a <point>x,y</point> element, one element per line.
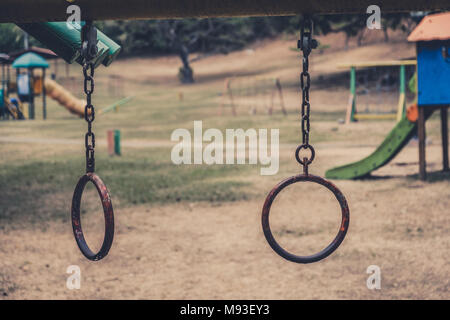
<point>332,246</point>
<point>108,212</point>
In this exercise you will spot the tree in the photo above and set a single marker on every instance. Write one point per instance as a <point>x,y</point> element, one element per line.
<point>222,35</point>
<point>183,37</point>
<point>11,38</point>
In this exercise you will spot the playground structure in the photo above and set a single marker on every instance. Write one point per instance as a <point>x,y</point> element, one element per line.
<point>64,97</point>
<point>432,36</point>
<point>113,140</point>
<point>352,112</point>
<point>5,62</point>
<point>253,94</point>
<point>140,9</point>
<point>30,84</point>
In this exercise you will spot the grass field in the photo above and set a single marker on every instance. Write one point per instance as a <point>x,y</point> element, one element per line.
<point>193,231</point>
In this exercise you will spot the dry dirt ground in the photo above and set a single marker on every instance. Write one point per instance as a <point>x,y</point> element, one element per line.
<point>218,251</point>
<point>200,251</point>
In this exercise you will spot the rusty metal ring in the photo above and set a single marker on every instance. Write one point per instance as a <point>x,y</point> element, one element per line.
<point>107,210</point>
<point>297,154</point>
<point>332,246</point>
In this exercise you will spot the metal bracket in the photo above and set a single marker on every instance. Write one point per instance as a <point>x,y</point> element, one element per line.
<point>89,42</point>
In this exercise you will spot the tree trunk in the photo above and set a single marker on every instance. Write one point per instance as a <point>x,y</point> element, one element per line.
<point>347,40</point>
<point>386,35</point>
<point>185,73</point>
<point>361,37</point>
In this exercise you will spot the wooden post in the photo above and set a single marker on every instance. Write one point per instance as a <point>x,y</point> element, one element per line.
<point>110,141</point>
<point>31,95</point>
<point>351,108</point>
<point>227,91</point>
<point>280,93</point>
<point>272,95</point>
<point>56,69</point>
<point>422,136</point>
<point>44,102</point>
<point>444,133</point>
<point>8,78</point>
<point>3,77</point>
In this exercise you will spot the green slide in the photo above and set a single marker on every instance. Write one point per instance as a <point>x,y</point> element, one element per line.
<point>391,146</point>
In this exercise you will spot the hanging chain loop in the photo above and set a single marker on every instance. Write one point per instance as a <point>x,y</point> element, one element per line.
<point>306,44</point>
<point>89,51</point>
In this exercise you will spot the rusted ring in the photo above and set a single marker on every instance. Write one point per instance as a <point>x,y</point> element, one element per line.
<point>107,210</point>
<point>332,246</point>
<point>297,154</point>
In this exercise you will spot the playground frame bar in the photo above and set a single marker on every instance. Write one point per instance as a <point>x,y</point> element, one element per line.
<point>20,11</point>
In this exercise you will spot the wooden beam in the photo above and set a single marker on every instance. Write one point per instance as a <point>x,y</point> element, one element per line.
<point>386,116</point>
<point>55,10</point>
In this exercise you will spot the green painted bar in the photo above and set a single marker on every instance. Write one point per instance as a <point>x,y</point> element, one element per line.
<point>403,87</point>
<point>66,42</point>
<point>56,36</point>
<point>353,91</point>
<point>113,48</point>
<point>117,148</point>
<point>117,104</point>
<point>402,79</point>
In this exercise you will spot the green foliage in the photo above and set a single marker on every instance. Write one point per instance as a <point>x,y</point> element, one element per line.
<point>207,35</point>
<point>223,35</point>
<point>11,38</point>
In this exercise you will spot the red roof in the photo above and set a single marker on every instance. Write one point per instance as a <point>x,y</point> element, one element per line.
<point>432,27</point>
<point>45,53</point>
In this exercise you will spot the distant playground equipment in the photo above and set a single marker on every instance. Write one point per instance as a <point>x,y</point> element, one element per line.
<point>353,114</point>
<point>432,37</point>
<point>64,97</point>
<point>31,76</point>
<point>30,82</point>
<point>252,93</point>
<point>9,107</point>
<point>115,106</point>
<point>115,86</point>
<point>113,140</point>
<point>5,61</point>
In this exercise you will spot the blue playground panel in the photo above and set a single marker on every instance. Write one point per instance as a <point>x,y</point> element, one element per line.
<point>2,102</point>
<point>433,69</point>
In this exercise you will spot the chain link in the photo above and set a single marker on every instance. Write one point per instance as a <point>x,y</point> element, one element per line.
<point>305,44</point>
<point>89,116</point>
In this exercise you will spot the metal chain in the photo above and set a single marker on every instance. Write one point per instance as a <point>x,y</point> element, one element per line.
<point>89,116</point>
<point>89,52</point>
<point>306,44</point>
